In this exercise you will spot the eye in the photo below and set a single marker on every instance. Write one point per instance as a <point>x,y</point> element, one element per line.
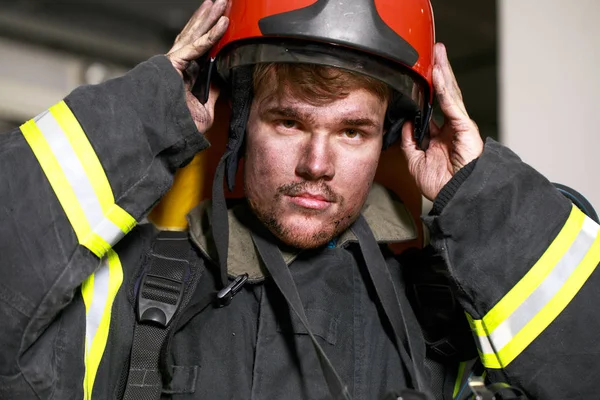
<point>288,123</point>
<point>351,133</point>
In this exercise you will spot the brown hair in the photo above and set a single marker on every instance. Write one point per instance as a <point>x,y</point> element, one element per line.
<point>314,84</point>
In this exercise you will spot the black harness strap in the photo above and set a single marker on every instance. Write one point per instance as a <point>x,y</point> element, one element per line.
<point>282,277</point>
<point>168,282</point>
<point>220,221</point>
<point>391,303</point>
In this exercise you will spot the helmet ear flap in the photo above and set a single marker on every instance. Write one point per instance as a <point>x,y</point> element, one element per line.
<point>400,110</point>
<point>241,94</point>
<point>393,133</point>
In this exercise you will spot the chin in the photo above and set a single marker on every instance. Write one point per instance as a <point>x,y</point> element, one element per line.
<point>301,232</point>
<point>307,233</point>
<point>306,229</point>
<point>304,239</point>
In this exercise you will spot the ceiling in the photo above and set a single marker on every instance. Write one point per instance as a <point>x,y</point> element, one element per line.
<point>126,32</point>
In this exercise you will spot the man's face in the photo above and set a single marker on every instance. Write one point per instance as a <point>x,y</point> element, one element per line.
<point>308,167</point>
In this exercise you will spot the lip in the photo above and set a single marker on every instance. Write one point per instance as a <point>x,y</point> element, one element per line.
<point>311,201</point>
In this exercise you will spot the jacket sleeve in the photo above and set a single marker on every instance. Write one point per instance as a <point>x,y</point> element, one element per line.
<point>524,260</point>
<point>73,181</point>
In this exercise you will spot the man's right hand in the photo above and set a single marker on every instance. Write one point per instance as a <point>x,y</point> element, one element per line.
<point>202,31</point>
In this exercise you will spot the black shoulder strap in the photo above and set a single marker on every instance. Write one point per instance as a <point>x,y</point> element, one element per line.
<point>167,283</point>
<point>282,277</point>
<point>392,305</point>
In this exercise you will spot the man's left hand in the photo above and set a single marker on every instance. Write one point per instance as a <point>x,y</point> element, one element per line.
<point>453,145</point>
<point>203,30</point>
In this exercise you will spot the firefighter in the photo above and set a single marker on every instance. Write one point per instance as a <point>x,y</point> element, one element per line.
<point>291,292</point>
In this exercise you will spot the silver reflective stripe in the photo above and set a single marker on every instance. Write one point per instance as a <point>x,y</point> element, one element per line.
<point>545,292</point>
<point>96,309</point>
<point>109,231</point>
<point>71,167</point>
<point>483,343</point>
<point>78,180</point>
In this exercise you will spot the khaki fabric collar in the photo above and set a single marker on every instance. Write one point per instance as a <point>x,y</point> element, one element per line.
<point>389,220</point>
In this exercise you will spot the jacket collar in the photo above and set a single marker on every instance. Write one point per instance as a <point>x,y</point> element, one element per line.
<point>388,218</point>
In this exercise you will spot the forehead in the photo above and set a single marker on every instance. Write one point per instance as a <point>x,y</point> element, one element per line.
<point>358,103</point>
<point>313,83</point>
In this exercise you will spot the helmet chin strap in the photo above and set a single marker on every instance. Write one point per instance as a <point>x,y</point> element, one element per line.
<point>220,221</point>
<point>241,100</point>
<point>241,97</point>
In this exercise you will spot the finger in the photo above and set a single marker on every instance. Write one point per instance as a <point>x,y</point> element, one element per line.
<point>209,39</point>
<point>201,45</point>
<point>448,103</point>
<point>190,75</point>
<point>213,96</point>
<point>203,114</point>
<point>434,129</point>
<point>409,145</point>
<point>441,59</point>
<point>211,17</point>
<point>204,18</point>
<point>184,36</point>
<point>201,117</point>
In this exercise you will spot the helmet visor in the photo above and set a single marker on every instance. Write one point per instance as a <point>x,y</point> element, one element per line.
<point>413,94</point>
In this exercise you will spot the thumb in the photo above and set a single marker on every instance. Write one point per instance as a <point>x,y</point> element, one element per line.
<point>409,145</point>
<point>213,95</point>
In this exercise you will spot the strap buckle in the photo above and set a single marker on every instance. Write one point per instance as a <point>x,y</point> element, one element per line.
<point>158,299</point>
<point>225,295</point>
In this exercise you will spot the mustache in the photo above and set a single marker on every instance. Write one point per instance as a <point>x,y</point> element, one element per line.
<point>320,188</point>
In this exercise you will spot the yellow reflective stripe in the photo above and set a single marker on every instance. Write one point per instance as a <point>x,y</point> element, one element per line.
<point>484,347</point>
<point>77,178</point>
<point>99,292</point>
<point>120,218</point>
<point>85,153</point>
<point>63,190</point>
<point>87,292</point>
<point>459,379</point>
<point>500,344</point>
<point>558,303</point>
<point>515,297</point>
<point>95,243</point>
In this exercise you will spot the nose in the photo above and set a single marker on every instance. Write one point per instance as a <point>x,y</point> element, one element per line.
<point>317,159</point>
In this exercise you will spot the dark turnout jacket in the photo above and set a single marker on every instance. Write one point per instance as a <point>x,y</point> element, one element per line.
<point>76,180</point>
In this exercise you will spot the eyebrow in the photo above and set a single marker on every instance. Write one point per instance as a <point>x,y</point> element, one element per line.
<point>360,122</point>
<point>289,113</point>
<point>292,113</point>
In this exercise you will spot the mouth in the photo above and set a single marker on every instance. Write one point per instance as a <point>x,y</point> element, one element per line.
<point>311,201</point>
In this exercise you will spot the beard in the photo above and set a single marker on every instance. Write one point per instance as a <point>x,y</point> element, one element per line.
<point>310,228</point>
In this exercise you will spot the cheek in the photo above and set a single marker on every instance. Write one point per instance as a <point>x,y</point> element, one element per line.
<point>355,174</point>
<point>265,166</point>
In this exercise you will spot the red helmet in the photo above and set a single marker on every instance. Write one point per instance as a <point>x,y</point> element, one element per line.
<point>390,40</point>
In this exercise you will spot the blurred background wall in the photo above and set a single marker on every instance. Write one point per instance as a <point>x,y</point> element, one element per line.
<point>49,47</point>
<point>543,51</point>
<point>550,87</point>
